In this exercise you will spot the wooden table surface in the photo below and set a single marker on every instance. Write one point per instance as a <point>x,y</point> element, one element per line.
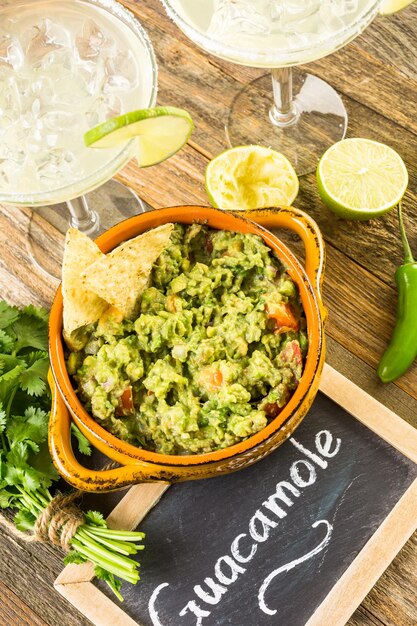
<point>377,78</point>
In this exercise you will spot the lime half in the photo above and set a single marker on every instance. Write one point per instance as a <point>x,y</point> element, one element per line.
<point>250,177</point>
<point>361,179</point>
<point>160,132</point>
<point>392,6</point>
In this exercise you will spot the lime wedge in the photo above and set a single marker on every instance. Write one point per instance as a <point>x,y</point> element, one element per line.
<point>392,6</point>
<point>159,132</point>
<point>361,179</point>
<point>250,177</point>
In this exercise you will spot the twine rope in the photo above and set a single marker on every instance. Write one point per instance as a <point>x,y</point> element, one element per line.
<point>58,522</point>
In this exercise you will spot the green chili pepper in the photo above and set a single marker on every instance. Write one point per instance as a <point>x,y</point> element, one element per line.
<point>402,349</point>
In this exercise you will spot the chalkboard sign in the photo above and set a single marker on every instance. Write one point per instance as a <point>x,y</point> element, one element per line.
<point>274,543</point>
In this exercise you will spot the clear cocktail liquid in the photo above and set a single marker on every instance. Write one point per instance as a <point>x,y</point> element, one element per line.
<point>64,67</point>
<point>264,26</point>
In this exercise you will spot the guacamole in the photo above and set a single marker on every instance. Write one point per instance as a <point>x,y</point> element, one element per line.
<point>214,354</point>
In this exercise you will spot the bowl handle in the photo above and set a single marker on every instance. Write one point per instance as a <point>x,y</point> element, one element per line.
<point>73,472</point>
<point>308,231</point>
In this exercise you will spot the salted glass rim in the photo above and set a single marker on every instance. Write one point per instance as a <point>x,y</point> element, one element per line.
<point>106,171</point>
<point>259,59</point>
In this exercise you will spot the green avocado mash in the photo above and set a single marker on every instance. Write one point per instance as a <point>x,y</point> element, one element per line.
<point>215,353</point>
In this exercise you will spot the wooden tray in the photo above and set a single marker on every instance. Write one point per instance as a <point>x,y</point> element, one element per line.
<point>299,538</point>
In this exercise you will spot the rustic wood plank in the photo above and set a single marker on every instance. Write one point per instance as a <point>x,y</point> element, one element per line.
<point>20,280</point>
<point>30,570</point>
<point>362,617</point>
<point>364,322</point>
<point>393,599</point>
<point>389,40</point>
<point>177,181</point>
<point>14,612</point>
<point>95,605</point>
<point>371,82</point>
<point>364,376</point>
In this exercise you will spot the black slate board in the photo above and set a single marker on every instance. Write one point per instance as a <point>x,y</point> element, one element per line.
<point>195,523</point>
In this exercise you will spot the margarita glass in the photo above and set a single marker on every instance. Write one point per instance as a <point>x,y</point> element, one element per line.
<point>66,66</point>
<point>303,115</point>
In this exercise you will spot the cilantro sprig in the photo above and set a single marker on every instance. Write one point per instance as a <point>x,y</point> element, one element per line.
<point>27,474</point>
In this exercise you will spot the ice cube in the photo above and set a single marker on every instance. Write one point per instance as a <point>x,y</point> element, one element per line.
<point>36,108</point>
<point>12,156</point>
<point>103,108</point>
<point>10,98</point>
<point>70,91</point>
<point>92,76</point>
<point>45,38</point>
<point>236,17</point>
<point>293,16</point>
<point>91,41</point>
<point>331,9</point>
<point>4,151</point>
<point>276,10</point>
<point>11,53</point>
<point>28,130</point>
<point>269,17</point>
<point>297,40</point>
<point>51,140</point>
<point>57,121</point>
<point>42,88</point>
<point>18,156</point>
<point>121,72</point>
<point>35,144</point>
<point>58,61</point>
<point>3,176</point>
<point>351,6</point>
<point>54,164</point>
<point>14,135</point>
<point>30,117</point>
<point>301,10</point>
<point>24,86</point>
<point>332,13</point>
<point>5,123</point>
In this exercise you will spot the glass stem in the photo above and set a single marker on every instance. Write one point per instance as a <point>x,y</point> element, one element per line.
<point>283,112</point>
<point>82,217</point>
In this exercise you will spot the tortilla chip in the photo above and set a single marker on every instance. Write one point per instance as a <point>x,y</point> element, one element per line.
<point>81,306</point>
<point>121,276</point>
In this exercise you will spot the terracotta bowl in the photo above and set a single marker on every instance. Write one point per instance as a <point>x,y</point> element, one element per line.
<point>138,465</point>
